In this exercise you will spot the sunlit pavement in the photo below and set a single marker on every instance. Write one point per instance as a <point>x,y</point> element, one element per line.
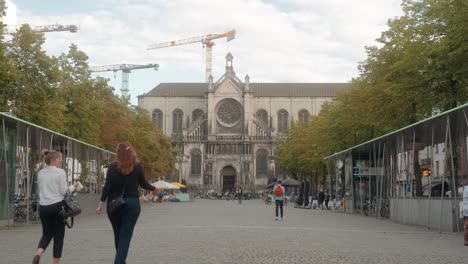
<point>214,231</point>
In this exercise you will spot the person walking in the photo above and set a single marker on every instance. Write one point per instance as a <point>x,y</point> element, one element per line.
<point>321,198</point>
<point>278,193</point>
<point>123,177</point>
<point>239,194</point>
<point>327,199</point>
<point>52,186</point>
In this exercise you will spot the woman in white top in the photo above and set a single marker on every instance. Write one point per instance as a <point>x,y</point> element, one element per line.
<point>52,186</point>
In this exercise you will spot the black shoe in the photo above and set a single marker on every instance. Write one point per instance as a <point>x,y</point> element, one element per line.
<point>36,259</point>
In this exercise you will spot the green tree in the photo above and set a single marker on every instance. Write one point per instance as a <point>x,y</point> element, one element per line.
<point>423,58</point>
<point>6,68</point>
<point>420,67</point>
<point>34,95</point>
<point>123,123</point>
<point>78,95</point>
<point>154,148</point>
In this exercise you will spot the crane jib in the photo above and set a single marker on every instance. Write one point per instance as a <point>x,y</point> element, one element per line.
<point>206,40</point>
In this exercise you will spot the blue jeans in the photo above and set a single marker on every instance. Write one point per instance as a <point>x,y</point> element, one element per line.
<point>123,222</point>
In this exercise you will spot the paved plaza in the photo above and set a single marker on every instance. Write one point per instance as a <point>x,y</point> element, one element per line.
<point>219,231</point>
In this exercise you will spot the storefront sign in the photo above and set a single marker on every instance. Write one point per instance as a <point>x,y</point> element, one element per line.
<point>367,171</point>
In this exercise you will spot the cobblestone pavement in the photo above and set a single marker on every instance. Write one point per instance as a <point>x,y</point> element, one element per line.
<point>209,231</point>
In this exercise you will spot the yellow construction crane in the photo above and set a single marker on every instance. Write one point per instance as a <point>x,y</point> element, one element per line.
<point>10,30</point>
<point>207,42</point>
<point>126,69</point>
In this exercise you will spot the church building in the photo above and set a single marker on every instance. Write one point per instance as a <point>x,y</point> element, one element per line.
<point>226,130</point>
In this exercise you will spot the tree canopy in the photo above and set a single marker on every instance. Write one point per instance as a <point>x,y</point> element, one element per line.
<point>418,68</point>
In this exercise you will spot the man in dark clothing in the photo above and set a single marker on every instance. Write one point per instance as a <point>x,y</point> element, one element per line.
<point>321,198</point>
<point>327,199</point>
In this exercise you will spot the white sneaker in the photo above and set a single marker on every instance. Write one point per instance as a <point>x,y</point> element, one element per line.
<point>276,218</point>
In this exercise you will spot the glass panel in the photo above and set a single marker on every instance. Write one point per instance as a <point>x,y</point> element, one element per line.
<point>158,118</point>
<point>177,121</point>
<point>196,162</point>
<point>303,116</point>
<point>197,114</point>
<point>262,162</point>
<point>262,115</point>
<point>282,121</point>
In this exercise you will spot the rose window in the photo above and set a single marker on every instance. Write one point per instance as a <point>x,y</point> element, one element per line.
<point>229,113</point>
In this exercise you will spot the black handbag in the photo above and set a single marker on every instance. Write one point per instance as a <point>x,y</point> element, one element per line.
<point>115,204</point>
<point>70,209</point>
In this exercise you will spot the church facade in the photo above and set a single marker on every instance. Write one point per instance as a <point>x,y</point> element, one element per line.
<point>226,130</point>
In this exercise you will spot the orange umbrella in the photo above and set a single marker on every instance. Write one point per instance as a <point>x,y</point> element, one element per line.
<point>178,184</point>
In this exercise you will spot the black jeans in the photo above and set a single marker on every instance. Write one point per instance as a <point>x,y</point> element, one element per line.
<point>123,222</point>
<point>279,204</point>
<point>52,227</point>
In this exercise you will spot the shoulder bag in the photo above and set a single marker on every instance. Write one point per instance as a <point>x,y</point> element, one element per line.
<point>70,209</point>
<point>116,203</point>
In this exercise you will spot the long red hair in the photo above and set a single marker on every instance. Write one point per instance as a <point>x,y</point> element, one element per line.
<point>126,158</point>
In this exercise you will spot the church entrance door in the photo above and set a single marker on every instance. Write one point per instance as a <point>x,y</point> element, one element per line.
<point>228,178</point>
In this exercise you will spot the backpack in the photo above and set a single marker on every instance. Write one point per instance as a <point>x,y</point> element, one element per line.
<point>278,191</point>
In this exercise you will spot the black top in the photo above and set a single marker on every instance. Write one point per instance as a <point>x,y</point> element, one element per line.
<point>321,196</point>
<point>115,182</point>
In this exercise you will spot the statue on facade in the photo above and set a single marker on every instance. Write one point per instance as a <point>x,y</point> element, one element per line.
<point>208,167</point>
<point>208,171</point>
<point>247,171</point>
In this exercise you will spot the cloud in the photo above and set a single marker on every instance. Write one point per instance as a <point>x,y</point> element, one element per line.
<point>10,17</point>
<point>280,41</point>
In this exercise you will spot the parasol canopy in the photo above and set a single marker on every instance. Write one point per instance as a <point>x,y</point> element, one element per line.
<point>180,185</point>
<point>164,185</point>
<point>288,182</point>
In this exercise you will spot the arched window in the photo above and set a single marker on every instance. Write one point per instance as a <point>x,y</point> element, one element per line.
<point>261,162</point>
<point>303,116</point>
<point>283,121</point>
<point>196,114</point>
<point>262,115</point>
<point>158,118</point>
<point>177,116</point>
<point>195,162</point>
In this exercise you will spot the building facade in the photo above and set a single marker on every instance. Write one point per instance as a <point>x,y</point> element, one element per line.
<point>225,130</point>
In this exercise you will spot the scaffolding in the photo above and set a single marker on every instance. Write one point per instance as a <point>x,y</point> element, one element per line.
<point>414,175</point>
<point>22,147</point>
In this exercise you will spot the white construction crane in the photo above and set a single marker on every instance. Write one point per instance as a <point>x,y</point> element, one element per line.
<point>207,42</point>
<point>10,30</point>
<point>126,69</point>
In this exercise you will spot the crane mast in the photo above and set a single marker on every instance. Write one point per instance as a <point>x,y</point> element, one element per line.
<point>207,42</point>
<point>126,70</point>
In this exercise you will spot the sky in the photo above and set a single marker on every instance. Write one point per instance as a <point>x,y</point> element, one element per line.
<point>276,41</point>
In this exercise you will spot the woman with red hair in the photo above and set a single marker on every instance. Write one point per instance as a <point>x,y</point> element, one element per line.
<point>123,178</point>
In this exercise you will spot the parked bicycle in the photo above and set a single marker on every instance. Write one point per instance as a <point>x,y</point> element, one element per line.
<point>21,211</point>
<point>384,208</point>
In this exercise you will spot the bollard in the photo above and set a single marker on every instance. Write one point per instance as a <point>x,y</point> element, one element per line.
<point>343,205</point>
<point>466,231</point>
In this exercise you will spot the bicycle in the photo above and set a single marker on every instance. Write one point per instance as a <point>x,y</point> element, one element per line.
<point>21,212</point>
<point>384,208</point>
